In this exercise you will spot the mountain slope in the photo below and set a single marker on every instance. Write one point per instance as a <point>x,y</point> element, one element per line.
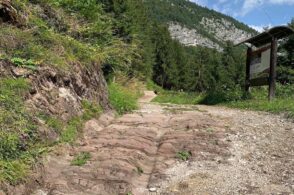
<point>194,25</point>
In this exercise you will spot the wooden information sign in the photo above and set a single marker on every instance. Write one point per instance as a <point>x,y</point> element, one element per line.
<point>262,58</point>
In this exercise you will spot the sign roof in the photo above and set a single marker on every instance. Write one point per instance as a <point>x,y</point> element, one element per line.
<point>263,38</point>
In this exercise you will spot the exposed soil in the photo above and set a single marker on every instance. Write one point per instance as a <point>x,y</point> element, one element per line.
<point>230,152</point>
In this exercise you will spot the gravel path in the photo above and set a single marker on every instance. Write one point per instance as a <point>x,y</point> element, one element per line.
<point>230,152</point>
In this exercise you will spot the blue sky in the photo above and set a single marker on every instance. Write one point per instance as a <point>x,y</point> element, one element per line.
<point>255,13</point>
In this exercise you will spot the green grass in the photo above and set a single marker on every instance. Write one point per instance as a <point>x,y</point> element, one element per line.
<point>20,146</point>
<point>257,100</point>
<point>81,159</point>
<point>184,155</point>
<point>122,99</point>
<point>13,171</point>
<point>279,105</point>
<point>178,97</point>
<point>73,128</point>
<point>91,110</point>
<point>150,85</point>
<point>17,131</point>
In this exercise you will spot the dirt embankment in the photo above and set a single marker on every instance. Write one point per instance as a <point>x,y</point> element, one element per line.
<point>229,152</point>
<point>57,94</point>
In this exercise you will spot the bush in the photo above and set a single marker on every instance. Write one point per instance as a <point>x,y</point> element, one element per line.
<point>221,96</point>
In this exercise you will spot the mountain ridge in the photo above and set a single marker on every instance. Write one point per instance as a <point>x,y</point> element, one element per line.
<point>194,25</point>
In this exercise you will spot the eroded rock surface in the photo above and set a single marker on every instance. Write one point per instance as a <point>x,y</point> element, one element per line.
<point>232,152</point>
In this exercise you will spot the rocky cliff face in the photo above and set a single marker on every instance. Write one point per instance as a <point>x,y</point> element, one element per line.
<point>224,30</point>
<point>220,30</point>
<point>195,25</point>
<point>190,37</point>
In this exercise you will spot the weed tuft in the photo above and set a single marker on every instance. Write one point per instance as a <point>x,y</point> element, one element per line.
<point>184,155</point>
<point>81,159</point>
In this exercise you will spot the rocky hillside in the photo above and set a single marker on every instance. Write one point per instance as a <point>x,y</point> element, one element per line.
<point>194,25</point>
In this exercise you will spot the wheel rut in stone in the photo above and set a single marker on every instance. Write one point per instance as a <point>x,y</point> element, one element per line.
<point>137,153</point>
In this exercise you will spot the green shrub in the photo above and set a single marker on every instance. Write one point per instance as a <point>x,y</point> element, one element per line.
<point>223,95</point>
<point>121,99</point>
<point>184,155</point>
<point>150,85</point>
<point>30,64</point>
<point>81,159</point>
<point>258,100</point>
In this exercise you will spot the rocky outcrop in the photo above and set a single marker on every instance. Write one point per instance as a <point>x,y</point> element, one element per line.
<point>59,93</point>
<point>220,29</point>
<point>224,30</point>
<point>9,14</point>
<point>190,37</point>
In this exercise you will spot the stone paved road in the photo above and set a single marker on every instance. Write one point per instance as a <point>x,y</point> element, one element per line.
<point>232,152</point>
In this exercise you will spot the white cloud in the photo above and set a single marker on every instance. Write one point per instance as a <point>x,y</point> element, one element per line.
<point>288,2</point>
<point>249,5</point>
<point>200,2</point>
<point>261,28</point>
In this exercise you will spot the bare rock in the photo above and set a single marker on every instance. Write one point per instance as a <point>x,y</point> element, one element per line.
<point>9,14</point>
<point>21,72</point>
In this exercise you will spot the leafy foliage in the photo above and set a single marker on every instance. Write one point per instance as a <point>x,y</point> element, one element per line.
<point>286,60</point>
<point>24,63</point>
<point>81,159</point>
<point>184,155</point>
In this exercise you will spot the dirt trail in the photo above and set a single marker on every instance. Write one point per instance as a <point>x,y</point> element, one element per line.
<point>232,152</point>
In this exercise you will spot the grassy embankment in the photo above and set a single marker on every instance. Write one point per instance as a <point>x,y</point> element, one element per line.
<point>66,37</point>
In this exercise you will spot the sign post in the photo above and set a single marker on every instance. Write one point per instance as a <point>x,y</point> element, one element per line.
<point>248,61</point>
<point>261,63</point>
<point>273,72</point>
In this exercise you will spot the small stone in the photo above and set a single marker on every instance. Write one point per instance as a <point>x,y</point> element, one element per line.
<point>38,192</point>
<point>152,189</point>
<point>20,72</point>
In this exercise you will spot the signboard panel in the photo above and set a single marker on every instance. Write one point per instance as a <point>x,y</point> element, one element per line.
<point>260,63</point>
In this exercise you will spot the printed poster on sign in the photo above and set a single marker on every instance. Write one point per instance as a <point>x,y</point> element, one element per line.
<point>260,64</point>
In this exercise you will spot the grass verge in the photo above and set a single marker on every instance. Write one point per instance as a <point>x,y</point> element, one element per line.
<point>18,136</point>
<point>178,97</point>
<point>257,100</point>
<point>122,99</point>
<point>20,144</point>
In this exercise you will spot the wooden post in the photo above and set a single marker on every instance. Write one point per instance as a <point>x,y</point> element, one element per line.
<point>248,61</point>
<point>273,67</point>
